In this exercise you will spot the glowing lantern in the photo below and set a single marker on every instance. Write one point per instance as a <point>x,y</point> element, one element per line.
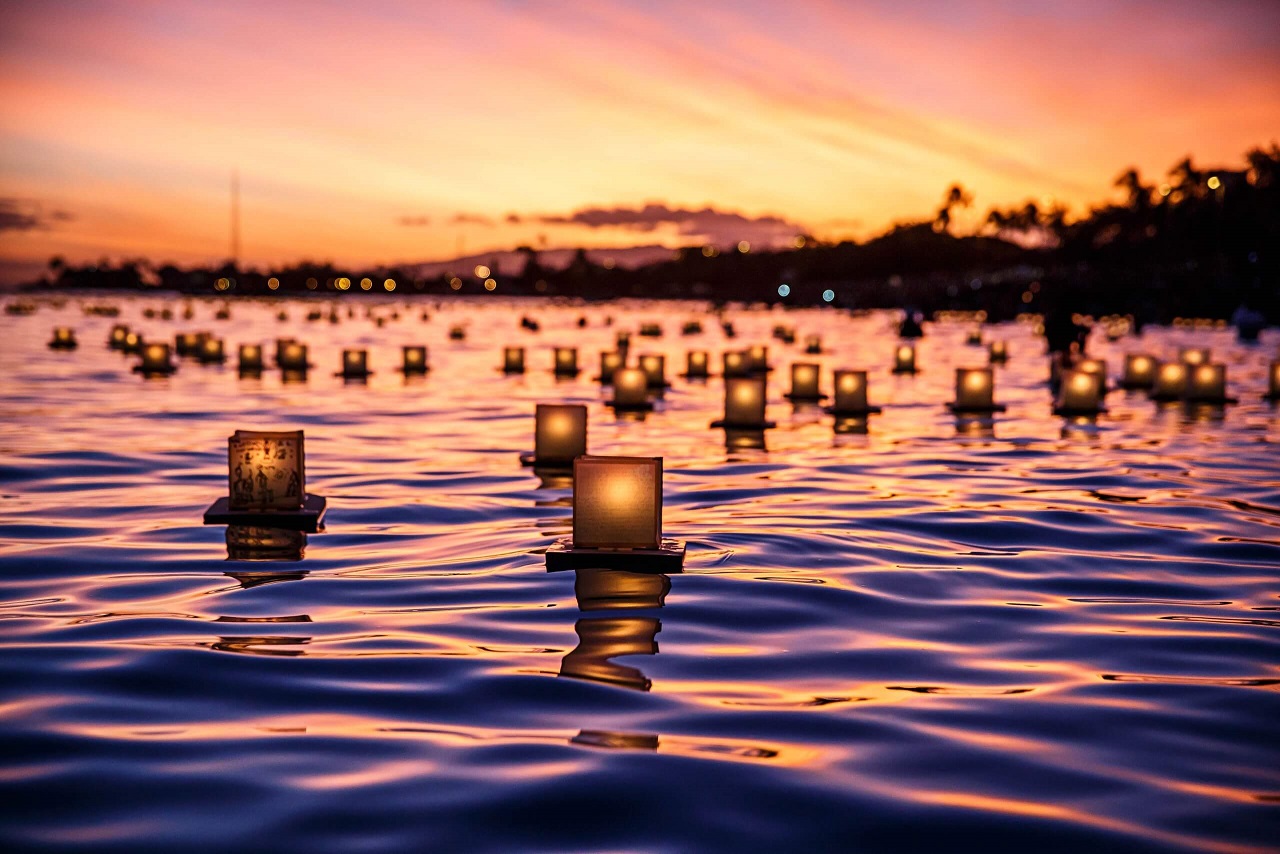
<point>610,361</point>
<point>132,342</point>
<point>559,435</point>
<point>116,340</point>
<point>513,360</point>
<point>250,358</point>
<point>813,344</point>
<point>804,382</point>
<point>904,359</point>
<point>696,364</point>
<point>1170,382</point>
<point>735,363</point>
<point>566,361</point>
<point>414,359</point>
<point>291,356</point>
<point>1194,355</point>
<point>655,370</point>
<point>975,390</point>
<point>744,404</point>
<point>1139,371</point>
<point>630,389</point>
<point>1273,385</point>
<point>622,340</point>
<point>355,364</point>
<point>64,338</point>
<point>1079,393</point>
<point>975,337</point>
<point>1207,383</point>
<point>266,478</point>
<point>156,360</point>
<point>851,394</point>
<point>757,359</point>
<point>210,351</point>
<point>998,353</point>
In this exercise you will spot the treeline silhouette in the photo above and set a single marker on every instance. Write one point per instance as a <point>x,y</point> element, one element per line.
<point>1200,242</point>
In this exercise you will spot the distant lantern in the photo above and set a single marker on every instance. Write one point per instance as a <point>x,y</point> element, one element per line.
<point>998,352</point>
<point>744,404</point>
<point>805,377</point>
<point>610,361</point>
<point>655,370</point>
<point>559,435</point>
<point>617,518</point>
<point>1170,381</point>
<point>813,344</point>
<point>413,360</point>
<point>757,358</point>
<point>851,395</point>
<point>457,333</point>
<point>157,360</point>
<point>1207,383</point>
<point>116,339</point>
<point>211,351</point>
<point>291,356</point>
<point>735,363</point>
<point>355,364</point>
<point>133,342</point>
<point>250,358</point>
<point>974,338</point>
<point>630,389</point>
<point>266,477</point>
<point>650,330</point>
<point>696,365</point>
<point>975,391</point>
<point>622,339</point>
<point>64,338</point>
<point>187,343</point>
<point>1139,371</point>
<point>1273,381</point>
<point>904,359</point>
<point>513,360</point>
<point>1079,393</point>
<point>566,364</point>
<point>1194,355</point>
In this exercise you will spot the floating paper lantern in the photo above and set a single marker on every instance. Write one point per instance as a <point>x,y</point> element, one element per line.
<point>513,360</point>
<point>904,359</point>
<point>566,361</point>
<point>757,359</point>
<point>655,370</point>
<point>116,339</point>
<point>630,389</point>
<point>805,378</point>
<point>187,343</point>
<point>735,363</point>
<point>559,435</point>
<point>696,364</point>
<point>622,340</point>
<point>1139,371</point>
<point>610,361</point>
<point>691,327</point>
<point>744,404</point>
<point>210,351</point>
<point>64,338</point>
<point>998,352</point>
<point>1207,383</point>
<point>1194,355</point>
<point>414,359</point>
<point>975,390</point>
<point>851,395</point>
<point>266,476</point>
<point>1170,381</point>
<point>133,342</point>
<point>355,364</point>
<point>1273,382</point>
<point>250,358</point>
<point>292,356</point>
<point>813,344</point>
<point>457,333</point>
<point>974,338</point>
<point>157,360</point>
<point>1079,393</point>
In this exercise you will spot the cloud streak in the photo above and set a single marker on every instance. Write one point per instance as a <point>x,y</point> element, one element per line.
<point>25,215</point>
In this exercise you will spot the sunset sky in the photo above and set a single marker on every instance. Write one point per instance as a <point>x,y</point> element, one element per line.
<point>390,131</point>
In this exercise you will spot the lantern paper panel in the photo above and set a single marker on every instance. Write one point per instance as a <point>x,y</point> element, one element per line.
<point>735,363</point>
<point>630,387</point>
<point>904,359</point>
<point>1207,382</point>
<point>696,363</point>
<point>610,361</point>
<point>355,362</point>
<point>1139,370</point>
<point>744,401</point>
<point>415,359</point>
<point>513,360</point>
<point>974,388</point>
<point>655,369</point>
<point>1171,380</point>
<point>804,380</point>
<point>566,360</point>
<point>617,502</point>
<point>266,470</point>
<point>1079,391</point>
<point>560,432</point>
<point>851,391</point>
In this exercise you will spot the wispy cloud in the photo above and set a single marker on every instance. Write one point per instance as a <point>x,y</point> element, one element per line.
<point>706,224</point>
<point>26,215</point>
<point>414,221</point>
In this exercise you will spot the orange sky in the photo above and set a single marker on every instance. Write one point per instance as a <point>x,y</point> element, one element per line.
<point>365,134</point>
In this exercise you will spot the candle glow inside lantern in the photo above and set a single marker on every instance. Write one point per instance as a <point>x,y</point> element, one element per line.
<point>975,391</point>
<point>617,518</point>
<point>1207,383</point>
<point>133,342</point>
<point>559,435</point>
<point>64,338</point>
<point>735,363</point>
<point>116,339</point>
<point>566,361</point>
<point>266,478</point>
<point>413,359</point>
<point>805,377</point>
<point>610,361</point>
<point>355,364</point>
<point>696,364</point>
<point>211,351</point>
<point>1139,371</point>
<point>187,343</point>
<point>1079,393</point>
<point>157,360</point>
<point>904,359</point>
<point>851,395</point>
<point>655,369</point>
<point>250,358</point>
<point>630,389</point>
<point>744,404</point>
<point>291,356</point>
<point>513,360</point>
<point>998,352</point>
<point>757,359</point>
<point>1194,355</point>
<point>1170,382</point>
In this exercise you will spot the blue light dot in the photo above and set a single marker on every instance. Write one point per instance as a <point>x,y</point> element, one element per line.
<point>828,295</point>
<point>783,290</point>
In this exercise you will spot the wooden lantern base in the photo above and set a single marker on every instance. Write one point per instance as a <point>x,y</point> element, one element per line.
<point>63,345</point>
<point>667,558</point>
<point>851,413</point>
<point>413,372</point>
<point>1075,412</point>
<point>155,372</point>
<point>308,518</point>
<point>975,410</point>
<point>805,398</point>
<point>906,370</point>
<point>726,425</point>
<point>528,460</point>
<point>647,406</point>
<point>1210,401</point>
<point>354,375</point>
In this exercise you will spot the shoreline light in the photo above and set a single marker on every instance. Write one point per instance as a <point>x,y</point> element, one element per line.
<point>744,404</point>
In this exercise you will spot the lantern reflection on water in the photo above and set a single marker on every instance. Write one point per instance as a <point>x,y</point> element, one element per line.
<point>256,543</point>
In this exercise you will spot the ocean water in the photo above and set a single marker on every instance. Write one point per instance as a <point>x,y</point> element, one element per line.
<point>911,634</point>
